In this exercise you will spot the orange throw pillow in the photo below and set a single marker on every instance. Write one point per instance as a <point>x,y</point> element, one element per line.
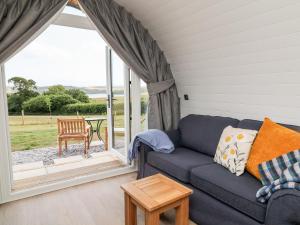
<point>272,141</point>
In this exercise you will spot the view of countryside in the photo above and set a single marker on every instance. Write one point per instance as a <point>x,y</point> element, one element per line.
<point>33,113</point>
<point>50,79</point>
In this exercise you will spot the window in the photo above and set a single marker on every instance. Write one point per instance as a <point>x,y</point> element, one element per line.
<point>57,73</point>
<point>144,106</point>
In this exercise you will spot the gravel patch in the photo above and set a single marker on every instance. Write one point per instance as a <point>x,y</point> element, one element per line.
<point>48,154</point>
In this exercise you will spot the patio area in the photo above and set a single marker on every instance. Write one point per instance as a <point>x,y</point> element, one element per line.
<point>43,165</point>
<point>48,154</point>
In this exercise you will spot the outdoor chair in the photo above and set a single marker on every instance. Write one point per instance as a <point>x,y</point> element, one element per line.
<point>73,129</point>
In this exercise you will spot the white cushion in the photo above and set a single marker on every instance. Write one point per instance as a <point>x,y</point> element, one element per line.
<point>234,148</point>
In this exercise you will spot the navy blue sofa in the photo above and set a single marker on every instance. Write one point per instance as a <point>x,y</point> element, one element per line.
<point>219,196</point>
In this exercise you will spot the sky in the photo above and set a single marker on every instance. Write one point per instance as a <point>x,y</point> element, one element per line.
<point>67,56</point>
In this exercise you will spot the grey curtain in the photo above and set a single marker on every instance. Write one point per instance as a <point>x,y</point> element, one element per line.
<point>133,43</point>
<point>21,19</point>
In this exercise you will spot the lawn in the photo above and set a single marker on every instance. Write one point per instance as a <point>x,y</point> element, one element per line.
<point>40,131</point>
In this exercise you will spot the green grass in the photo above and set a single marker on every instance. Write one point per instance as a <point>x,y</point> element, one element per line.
<point>41,131</point>
<point>32,137</point>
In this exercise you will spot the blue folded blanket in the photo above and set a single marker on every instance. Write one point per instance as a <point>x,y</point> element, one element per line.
<point>156,139</point>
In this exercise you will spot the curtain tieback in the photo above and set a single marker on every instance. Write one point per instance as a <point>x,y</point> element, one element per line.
<point>158,87</point>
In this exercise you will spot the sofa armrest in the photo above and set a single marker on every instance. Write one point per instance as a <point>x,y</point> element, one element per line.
<point>283,208</point>
<point>142,159</point>
<point>174,136</point>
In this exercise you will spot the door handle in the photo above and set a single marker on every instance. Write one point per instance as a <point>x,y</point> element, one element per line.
<point>108,101</point>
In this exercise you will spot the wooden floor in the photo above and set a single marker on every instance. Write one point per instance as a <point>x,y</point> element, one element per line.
<point>96,203</point>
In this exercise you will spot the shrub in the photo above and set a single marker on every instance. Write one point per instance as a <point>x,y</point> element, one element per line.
<point>15,102</point>
<point>78,95</point>
<point>39,104</point>
<point>85,108</point>
<point>58,101</point>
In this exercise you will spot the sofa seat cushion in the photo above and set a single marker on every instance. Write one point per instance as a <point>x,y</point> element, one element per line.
<point>178,163</point>
<point>237,192</point>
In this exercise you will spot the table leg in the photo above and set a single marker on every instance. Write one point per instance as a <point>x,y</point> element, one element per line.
<point>98,130</point>
<point>152,218</point>
<point>130,211</point>
<point>91,131</point>
<point>182,213</point>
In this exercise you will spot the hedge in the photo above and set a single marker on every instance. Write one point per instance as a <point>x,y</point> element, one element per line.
<point>58,101</point>
<point>84,108</point>
<point>39,104</point>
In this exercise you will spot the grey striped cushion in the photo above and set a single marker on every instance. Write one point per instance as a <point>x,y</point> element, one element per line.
<point>272,170</point>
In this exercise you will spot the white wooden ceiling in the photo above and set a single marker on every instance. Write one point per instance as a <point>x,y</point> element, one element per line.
<point>167,17</point>
<point>238,58</point>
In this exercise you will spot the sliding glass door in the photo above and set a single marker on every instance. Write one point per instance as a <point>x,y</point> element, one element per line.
<point>118,101</point>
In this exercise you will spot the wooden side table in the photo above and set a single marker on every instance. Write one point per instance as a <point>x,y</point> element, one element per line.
<point>155,195</point>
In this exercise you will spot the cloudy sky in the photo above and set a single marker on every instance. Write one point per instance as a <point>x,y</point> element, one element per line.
<point>64,55</point>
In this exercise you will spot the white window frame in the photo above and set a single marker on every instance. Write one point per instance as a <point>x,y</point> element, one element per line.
<point>135,108</point>
<point>6,194</point>
<point>126,75</point>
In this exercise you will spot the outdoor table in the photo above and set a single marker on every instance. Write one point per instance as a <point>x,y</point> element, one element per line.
<point>96,130</point>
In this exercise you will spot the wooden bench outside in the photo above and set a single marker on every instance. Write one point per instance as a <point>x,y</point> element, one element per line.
<point>72,129</point>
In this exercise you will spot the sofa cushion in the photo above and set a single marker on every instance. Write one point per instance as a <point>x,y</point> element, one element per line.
<point>238,192</point>
<point>272,141</point>
<point>202,133</point>
<point>178,163</point>
<point>234,148</point>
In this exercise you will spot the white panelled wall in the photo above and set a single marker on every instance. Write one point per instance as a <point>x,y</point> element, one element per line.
<point>238,58</point>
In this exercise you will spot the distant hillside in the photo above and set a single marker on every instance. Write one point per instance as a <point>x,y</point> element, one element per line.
<point>88,90</point>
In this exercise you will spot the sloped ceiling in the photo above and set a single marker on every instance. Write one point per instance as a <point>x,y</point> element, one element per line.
<point>238,58</point>
<point>165,17</point>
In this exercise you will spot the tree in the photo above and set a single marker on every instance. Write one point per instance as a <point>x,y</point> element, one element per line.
<point>23,90</point>
<point>23,86</point>
<point>55,90</point>
<point>78,95</point>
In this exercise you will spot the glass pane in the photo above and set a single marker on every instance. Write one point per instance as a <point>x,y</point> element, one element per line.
<point>118,99</point>
<point>144,106</point>
<point>55,76</point>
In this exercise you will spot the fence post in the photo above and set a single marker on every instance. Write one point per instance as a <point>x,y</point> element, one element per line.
<point>77,114</point>
<point>50,116</point>
<point>23,122</point>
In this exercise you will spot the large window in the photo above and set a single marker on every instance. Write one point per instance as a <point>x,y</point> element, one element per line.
<point>61,75</point>
<point>65,73</point>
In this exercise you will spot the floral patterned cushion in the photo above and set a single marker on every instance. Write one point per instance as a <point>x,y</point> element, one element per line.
<point>234,148</point>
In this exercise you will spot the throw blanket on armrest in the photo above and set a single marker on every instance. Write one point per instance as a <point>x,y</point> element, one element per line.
<point>156,139</point>
<point>289,179</point>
